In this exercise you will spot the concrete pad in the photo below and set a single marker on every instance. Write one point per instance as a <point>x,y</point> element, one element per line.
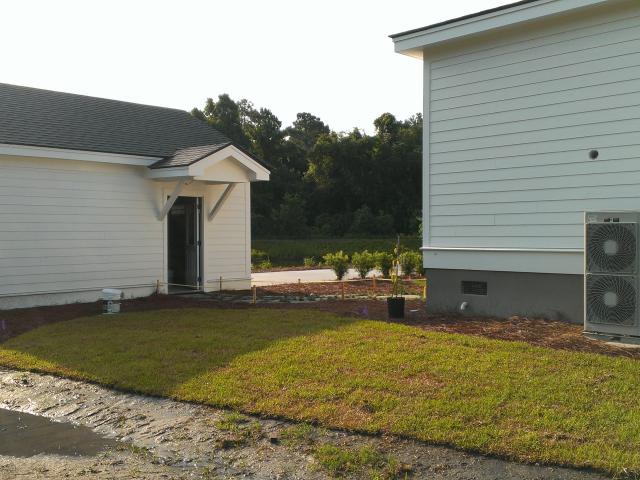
<point>305,276</point>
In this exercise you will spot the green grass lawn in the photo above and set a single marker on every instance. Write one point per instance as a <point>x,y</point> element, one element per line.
<point>293,251</point>
<point>505,398</point>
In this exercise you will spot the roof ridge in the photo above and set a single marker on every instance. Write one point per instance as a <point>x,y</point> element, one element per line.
<point>93,97</point>
<point>506,6</point>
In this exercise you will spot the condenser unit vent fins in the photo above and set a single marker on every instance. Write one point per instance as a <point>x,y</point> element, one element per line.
<point>611,248</point>
<point>474,288</point>
<point>611,300</point>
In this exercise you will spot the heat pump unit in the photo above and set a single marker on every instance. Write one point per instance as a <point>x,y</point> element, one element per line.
<point>612,270</point>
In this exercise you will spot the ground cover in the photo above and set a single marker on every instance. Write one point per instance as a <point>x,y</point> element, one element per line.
<point>506,398</point>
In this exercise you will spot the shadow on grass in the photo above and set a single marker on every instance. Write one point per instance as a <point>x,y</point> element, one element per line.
<point>158,352</point>
<point>503,398</point>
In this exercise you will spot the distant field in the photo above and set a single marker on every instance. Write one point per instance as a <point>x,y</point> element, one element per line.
<point>293,251</point>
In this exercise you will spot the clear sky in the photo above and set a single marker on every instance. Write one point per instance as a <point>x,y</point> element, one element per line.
<point>331,58</point>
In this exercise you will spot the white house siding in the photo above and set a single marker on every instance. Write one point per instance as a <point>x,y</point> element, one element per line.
<point>227,240</point>
<point>511,122</point>
<point>70,228</point>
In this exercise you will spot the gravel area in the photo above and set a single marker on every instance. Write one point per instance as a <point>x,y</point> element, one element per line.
<point>161,438</point>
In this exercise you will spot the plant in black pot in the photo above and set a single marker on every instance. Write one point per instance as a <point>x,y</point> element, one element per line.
<point>395,303</point>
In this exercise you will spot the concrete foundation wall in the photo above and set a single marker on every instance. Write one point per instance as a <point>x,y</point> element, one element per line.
<point>62,298</point>
<point>553,296</point>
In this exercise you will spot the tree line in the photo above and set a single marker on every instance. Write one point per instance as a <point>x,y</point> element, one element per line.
<point>327,183</point>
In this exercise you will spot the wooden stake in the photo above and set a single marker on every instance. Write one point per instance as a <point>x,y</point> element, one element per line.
<point>220,282</point>
<point>424,290</point>
<point>342,290</point>
<point>255,294</point>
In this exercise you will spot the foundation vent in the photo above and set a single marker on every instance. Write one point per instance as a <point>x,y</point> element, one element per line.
<point>474,288</point>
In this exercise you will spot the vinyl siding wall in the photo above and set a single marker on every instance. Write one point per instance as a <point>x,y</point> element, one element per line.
<point>228,239</point>
<point>70,226</point>
<point>511,123</point>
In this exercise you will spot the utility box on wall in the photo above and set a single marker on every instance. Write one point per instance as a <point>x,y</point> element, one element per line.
<point>111,298</point>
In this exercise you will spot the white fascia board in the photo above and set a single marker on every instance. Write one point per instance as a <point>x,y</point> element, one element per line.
<point>64,154</point>
<point>169,173</point>
<point>412,43</point>
<point>259,173</point>
<point>526,260</point>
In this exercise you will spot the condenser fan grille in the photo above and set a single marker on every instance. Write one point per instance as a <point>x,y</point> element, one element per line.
<point>611,247</point>
<point>611,300</point>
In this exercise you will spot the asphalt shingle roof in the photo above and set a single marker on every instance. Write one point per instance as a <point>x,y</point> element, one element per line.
<point>189,155</point>
<point>45,118</point>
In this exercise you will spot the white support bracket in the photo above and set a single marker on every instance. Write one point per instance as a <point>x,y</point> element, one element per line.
<point>221,200</point>
<point>172,198</point>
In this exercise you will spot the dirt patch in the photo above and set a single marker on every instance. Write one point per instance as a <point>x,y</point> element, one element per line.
<point>161,438</point>
<point>368,288</point>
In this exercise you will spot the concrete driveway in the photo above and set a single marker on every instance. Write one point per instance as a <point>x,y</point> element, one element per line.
<point>305,276</point>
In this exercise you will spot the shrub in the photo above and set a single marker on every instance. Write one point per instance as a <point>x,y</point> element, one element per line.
<point>265,265</point>
<point>418,265</point>
<point>292,252</point>
<point>338,262</point>
<point>363,262</point>
<point>310,262</point>
<point>258,256</point>
<point>383,262</point>
<point>410,262</point>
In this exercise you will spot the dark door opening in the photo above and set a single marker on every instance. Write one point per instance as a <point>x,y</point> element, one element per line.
<point>184,241</point>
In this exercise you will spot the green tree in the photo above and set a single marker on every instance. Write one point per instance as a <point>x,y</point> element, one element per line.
<point>337,183</point>
<point>224,116</point>
<point>289,217</point>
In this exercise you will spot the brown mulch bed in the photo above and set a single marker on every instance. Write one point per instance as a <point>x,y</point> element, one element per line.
<point>545,333</point>
<point>351,287</point>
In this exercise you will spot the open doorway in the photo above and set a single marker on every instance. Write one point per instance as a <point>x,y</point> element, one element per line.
<point>184,244</point>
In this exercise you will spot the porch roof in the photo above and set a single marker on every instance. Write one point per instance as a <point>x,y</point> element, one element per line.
<point>223,163</point>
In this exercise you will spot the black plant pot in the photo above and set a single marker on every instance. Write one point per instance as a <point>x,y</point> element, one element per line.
<point>395,306</point>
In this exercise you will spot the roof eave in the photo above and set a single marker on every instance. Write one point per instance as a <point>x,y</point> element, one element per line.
<point>413,42</point>
<point>159,164</point>
<point>196,169</point>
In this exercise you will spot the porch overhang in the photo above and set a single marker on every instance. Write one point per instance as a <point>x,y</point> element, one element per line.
<point>218,164</point>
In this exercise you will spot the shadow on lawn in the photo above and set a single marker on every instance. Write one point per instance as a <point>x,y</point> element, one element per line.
<point>162,351</point>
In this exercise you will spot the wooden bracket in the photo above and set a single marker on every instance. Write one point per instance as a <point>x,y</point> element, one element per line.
<point>172,198</point>
<point>223,198</point>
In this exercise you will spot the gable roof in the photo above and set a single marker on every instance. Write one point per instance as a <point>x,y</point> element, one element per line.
<point>188,156</point>
<point>45,118</point>
<point>464,17</point>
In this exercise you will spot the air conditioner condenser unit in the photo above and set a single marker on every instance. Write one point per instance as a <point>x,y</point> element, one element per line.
<point>611,272</point>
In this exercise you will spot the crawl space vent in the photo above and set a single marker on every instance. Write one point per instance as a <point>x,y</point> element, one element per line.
<point>474,288</point>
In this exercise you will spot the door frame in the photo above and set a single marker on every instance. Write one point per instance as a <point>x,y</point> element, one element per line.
<point>200,201</point>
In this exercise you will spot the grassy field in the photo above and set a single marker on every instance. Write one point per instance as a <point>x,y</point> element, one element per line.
<point>293,251</point>
<point>504,398</point>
